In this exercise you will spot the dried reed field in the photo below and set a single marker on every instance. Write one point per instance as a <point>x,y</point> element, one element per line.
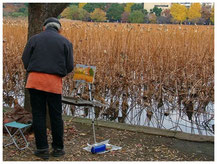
<point>158,69</point>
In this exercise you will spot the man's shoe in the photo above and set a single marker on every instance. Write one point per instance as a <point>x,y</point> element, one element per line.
<point>44,154</point>
<point>58,152</point>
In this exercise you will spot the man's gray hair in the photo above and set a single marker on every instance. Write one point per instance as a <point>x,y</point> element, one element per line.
<point>53,24</point>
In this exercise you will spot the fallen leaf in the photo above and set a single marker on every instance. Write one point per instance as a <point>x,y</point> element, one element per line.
<point>83,134</point>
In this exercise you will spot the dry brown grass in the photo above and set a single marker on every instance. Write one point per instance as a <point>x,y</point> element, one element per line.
<point>139,61</point>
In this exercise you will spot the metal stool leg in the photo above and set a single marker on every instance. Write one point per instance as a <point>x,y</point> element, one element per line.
<point>11,137</point>
<point>14,140</point>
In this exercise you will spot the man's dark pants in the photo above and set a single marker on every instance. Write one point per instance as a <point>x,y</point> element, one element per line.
<point>38,100</point>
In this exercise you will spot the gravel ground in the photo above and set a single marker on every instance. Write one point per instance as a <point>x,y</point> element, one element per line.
<point>135,147</point>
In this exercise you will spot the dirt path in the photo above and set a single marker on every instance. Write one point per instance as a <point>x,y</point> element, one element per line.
<point>135,147</point>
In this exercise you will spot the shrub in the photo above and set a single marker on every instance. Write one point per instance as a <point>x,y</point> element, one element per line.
<point>98,15</point>
<point>18,14</point>
<point>137,17</point>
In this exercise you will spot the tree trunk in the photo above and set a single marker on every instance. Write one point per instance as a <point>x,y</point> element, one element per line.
<point>37,14</point>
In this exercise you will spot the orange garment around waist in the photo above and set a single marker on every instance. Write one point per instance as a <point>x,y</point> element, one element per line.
<point>44,82</point>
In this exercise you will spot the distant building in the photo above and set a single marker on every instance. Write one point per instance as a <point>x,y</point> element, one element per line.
<point>186,4</point>
<point>163,6</point>
<point>210,4</point>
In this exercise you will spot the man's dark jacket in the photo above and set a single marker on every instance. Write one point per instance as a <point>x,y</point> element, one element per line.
<point>48,52</point>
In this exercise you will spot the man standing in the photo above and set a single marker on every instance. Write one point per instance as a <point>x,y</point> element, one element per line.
<point>47,57</point>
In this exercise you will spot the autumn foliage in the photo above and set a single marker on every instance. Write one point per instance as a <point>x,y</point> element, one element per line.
<point>179,12</point>
<point>98,15</point>
<point>194,12</point>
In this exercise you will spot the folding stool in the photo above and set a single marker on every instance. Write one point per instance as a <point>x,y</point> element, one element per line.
<point>20,128</point>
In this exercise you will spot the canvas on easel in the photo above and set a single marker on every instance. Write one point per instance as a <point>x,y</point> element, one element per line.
<point>84,73</point>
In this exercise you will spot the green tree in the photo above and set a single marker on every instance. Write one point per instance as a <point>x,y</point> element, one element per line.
<point>98,15</point>
<point>107,6</point>
<point>83,14</point>
<point>75,13</point>
<point>137,17</point>
<point>194,12</point>
<point>137,6</point>
<point>157,11</point>
<point>178,12</point>
<point>66,13</point>
<point>17,14</point>
<point>144,11</point>
<point>115,11</point>
<point>22,12</point>
<point>90,7</point>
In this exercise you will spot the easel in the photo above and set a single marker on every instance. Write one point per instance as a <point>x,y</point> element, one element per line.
<point>79,87</point>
